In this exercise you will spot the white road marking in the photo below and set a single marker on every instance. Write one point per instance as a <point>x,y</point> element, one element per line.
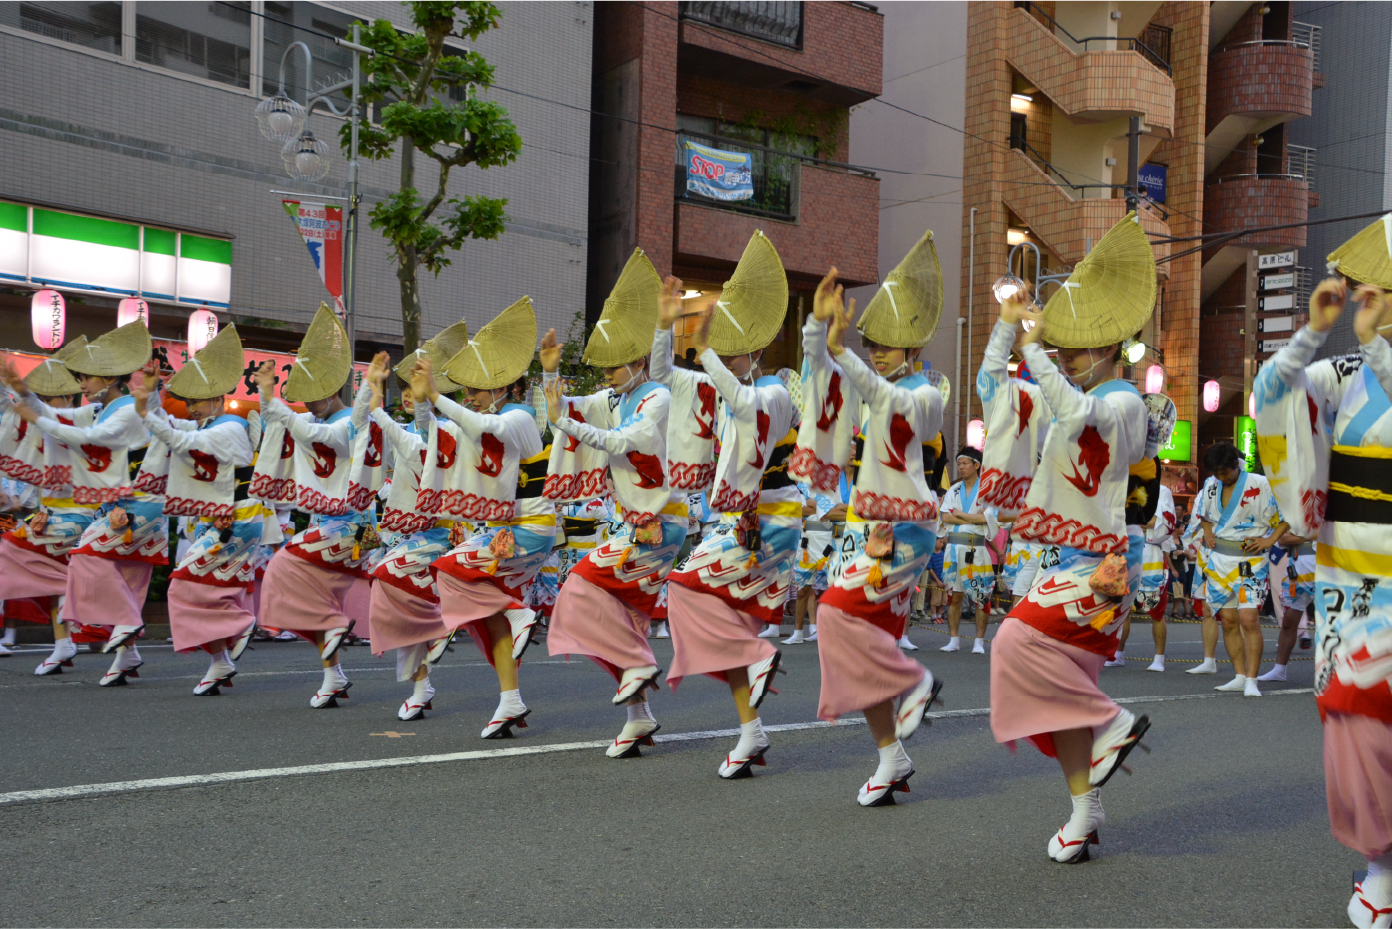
<point>79,791</point>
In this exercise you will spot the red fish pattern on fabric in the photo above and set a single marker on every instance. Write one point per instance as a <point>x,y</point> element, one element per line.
<point>491,453</point>
<point>1094,456</point>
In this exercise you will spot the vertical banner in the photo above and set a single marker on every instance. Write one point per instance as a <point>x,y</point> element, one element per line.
<point>321,228</point>
<point>717,174</point>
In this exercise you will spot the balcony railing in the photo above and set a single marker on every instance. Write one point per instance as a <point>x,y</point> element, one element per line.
<point>1302,163</point>
<point>774,174</point>
<point>1141,44</point>
<point>773,21</point>
<point>1308,34</point>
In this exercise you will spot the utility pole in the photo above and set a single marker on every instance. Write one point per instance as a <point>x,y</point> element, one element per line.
<point>1133,163</point>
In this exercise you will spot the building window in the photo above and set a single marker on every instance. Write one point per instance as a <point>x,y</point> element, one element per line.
<point>91,25</point>
<point>1017,131</point>
<point>775,174</point>
<point>332,62</point>
<point>207,40</point>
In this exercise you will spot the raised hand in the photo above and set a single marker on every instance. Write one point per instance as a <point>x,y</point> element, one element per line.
<point>11,376</point>
<point>669,305</point>
<point>701,339</point>
<point>141,387</point>
<point>265,378</point>
<point>841,321</point>
<point>423,382</point>
<point>1036,331</point>
<point>550,352</point>
<point>827,297</point>
<point>1372,313</point>
<point>1013,309</point>
<point>554,391</point>
<point>1327,303</point>
<point>376,373</point>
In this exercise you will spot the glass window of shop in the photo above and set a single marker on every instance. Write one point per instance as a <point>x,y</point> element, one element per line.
<point>91,25</point>
<point>207,40</point>
<point>332,63</point>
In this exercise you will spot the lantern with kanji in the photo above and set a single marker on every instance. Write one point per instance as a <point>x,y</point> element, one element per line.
<point>131,309</point>
<point>48,316</point>
<point>1212,394</point>
<point>202,329</point>
<point>1154,379</point>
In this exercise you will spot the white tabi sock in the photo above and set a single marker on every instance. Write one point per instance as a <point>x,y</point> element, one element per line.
<point>1087,814</point>
<point>894,763</point>
<point>510,704</point>
<point>334,678</point>
<point>639,711</point>
<point>1277,673</point>
<point>812,628</point>
<point>423,690</point>
<point>9,637</point>
<point>751,739</point>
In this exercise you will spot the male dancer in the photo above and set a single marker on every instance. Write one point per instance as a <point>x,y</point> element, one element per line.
<point>1295,592</point>
<point>968,556</point>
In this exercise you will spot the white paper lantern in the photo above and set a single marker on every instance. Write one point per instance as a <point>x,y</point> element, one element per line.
<point>48,317</point>
<point>1154,379</point>
<point>976,433</point>
<point>1252,405</point>
<point>202,329</point>
<point>1212,395</point>
<point>131,309</point>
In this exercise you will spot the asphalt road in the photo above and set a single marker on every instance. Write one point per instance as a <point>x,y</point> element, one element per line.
<point>1224,824</point>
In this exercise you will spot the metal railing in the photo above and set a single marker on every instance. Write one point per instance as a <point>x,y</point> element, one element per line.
<point>1290,43</point>
<point>1302,163</point>
<point>1309,34</point>
<point>1266,177</point>
<point>1033,155</point>
<point>1119,43</point>
<point>776,177</point>
<point>773,21</point>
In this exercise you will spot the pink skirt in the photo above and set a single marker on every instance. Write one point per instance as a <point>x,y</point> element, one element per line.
<point>469,604</point>
<point>862,665</point>
<point>1358,782</point>
<point>590,621</point>
<point>709,636</point>
<point>303,597</point>
<point>204,613</point>
<point>106,592</point>
<point>1040,686</point>
<point>399,620</point>
<point>25,573</point>
<point>358,604</point>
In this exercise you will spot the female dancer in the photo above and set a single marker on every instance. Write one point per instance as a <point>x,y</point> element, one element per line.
<point>209,477</point>
<point>887,542</point>
<point>308,580</point>
<point>606,606</point>
<point>738,578</point>
<point>1325,433</point>
<point>486,464</point>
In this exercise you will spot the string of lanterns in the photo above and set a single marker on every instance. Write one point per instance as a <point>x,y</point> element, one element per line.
<point>48,315</point>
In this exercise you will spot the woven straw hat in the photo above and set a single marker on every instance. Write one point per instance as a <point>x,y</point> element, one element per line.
<point>624,332</point>
<point>323,363</point>
<point>439,350</point>
<point>1110,294</point>
<point>120,351</point>
<point>52,378</point>
<point>1367,257</point>
<point>753,302</point>
<point>904,312</point>
<point>500,352</point>
<point>214,370</point>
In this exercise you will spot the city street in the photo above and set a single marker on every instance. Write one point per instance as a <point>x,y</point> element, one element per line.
<point>1224,824</point>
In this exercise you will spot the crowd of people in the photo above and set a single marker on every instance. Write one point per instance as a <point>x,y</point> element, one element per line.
<point>699,502</point>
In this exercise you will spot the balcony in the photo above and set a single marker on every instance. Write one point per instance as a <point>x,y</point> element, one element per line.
<point>1263,79</point>
<point>829,204</point>
<point>1094,85</point>
<point>1064,224</point>
<point>824,51</point>
<point>1246,201</point>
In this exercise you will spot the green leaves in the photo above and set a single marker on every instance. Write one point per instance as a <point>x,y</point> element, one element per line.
<point>402,219</point>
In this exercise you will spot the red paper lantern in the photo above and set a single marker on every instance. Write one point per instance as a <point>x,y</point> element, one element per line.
<point>48,316</point>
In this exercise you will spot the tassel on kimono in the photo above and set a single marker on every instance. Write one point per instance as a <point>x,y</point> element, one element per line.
<point>1103,619</point>
<point>875,576</point>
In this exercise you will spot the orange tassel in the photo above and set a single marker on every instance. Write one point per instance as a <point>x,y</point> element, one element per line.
<point>626,552</point>
<point>20,533</point>
<point>875,576</point>
<point>1103,619</point>
<point>493,568</point>
<point>753,562</point>
<point>128,536</point>
<point>357,550</point>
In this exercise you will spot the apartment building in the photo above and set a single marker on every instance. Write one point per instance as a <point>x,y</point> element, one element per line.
<point>136,120</point>
<point>770,80</point>
<point>1063,98</point>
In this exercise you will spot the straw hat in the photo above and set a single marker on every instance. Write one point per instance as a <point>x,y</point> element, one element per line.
<point>213,371</point>
<point>904,312</point>
<point>1367,257</point>
<point>323,363</point>
<point>500,352</point>
<point>624,332</point>
<point>1110,294</point>
<point>753,302</point>
<point>118,352</point>
<point>52,378</point>
<point>439,350</point>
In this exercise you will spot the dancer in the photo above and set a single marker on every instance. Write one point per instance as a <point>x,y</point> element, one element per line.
<point>209,477</point>
<point>1050,648</point>
<point>486,464</point>
<point>967,559</point>
<point>1325,434</point>
<point>1239,522</point>
<point>109,571</point>
<point>814,558</point>
<point>34,555</point>
<point>605,608</point>
<point>1295,592</point>
<point>737,579</point>
<point>404,613</point>
<point>887,541</point>
<point>308,459</point>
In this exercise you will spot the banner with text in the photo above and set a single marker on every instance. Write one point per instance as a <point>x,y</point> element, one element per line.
<point>719,175</point>
<point>321,228</point>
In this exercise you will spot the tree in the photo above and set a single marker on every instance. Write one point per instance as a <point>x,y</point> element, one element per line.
<point>426,99</point>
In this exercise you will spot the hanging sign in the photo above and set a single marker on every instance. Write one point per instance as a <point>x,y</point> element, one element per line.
<point>321,228</point>
<point>1153,177</point>
<point>719,175</point>
<point>1277,260</point>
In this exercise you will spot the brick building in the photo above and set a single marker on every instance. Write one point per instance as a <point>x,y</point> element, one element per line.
<point>774,80</point>
<point>1052,89</point>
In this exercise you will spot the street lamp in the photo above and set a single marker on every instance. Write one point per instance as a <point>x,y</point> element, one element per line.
<point>282,119</point>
